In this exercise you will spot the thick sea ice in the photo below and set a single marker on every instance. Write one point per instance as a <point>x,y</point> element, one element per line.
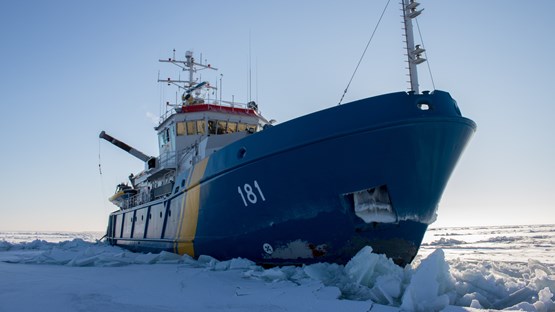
<point>454,273</point>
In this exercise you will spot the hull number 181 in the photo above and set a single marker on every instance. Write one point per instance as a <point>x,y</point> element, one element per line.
<point>248,194</point>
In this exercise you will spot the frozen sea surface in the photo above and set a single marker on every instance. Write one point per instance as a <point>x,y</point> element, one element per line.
<point>517,243</point>
<point>457,269</point>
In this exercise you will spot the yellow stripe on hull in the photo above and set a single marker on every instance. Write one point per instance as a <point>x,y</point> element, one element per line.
<point>198,172</point>
<point>190,208</point>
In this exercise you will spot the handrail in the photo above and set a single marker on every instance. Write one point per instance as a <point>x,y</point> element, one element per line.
<point>223,105</point>
<point>164,161</point>
<point>167,160</point>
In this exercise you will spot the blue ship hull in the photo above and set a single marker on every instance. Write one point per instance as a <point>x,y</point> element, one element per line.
<point>286,195</point>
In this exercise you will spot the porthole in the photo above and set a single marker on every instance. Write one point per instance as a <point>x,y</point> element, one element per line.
<point>150,216</point>
<point>142,217</point>
<point>160,214</point>
<point>183,183</point>
<point>169,213</point>
<point>424,106</point>
<point>242,152</point>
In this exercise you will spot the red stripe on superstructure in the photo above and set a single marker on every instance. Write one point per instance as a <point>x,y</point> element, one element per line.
<point>217,108</point>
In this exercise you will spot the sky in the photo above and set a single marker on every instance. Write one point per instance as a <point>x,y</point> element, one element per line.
<point>70,69</point>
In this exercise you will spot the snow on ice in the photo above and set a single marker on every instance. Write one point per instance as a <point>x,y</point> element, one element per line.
<point>79,275</point>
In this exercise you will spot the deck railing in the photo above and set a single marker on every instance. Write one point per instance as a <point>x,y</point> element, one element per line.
<point>167,160</point>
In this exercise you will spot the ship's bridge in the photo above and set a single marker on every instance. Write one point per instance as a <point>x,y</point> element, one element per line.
<point>197,126</point>
<point>188,125</point>
<point>191,129</point>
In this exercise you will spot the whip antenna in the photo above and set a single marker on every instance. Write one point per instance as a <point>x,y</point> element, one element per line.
<point>364,52</point>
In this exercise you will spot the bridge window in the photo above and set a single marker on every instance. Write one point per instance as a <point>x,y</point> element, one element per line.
<point>200,126</point>
<point>191,127</point>
<point>231,127</point>
<point>181,128</point>
<point>221,127</point>
<point>164,137</point>
<point>211,127</point>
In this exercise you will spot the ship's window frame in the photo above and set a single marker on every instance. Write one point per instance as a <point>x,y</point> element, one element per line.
<point>201,126</point>
<point>222,127</point>
<point>164,137</point>
<point>231,127</point>
<point>191,127</point>
<point>181,128</point>
<point>212,124</point>
<point>219,127</point>
<point>241,127</point>
<point>172,136</point>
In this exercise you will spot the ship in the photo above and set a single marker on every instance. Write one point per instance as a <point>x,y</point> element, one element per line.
<point>229,183</point>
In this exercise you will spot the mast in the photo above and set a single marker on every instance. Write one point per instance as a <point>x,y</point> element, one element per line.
<point>188,85</point>
<point>414,52</point>
<point>191,66</point>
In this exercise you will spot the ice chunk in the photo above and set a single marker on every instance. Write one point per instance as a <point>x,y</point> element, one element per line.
<point>430,286</point>
<point>472,300</point>
<point>514,298</point>
<point>361,267</point>
<point>207,261</point>
<point>273,275</point>
<point>544,303</point>
<point>221,266</point>
<point>4,245</point>
<point>378,273</point>
<point>324,272</point>
<point>240,264</point>
<point>475,304</point>
<point>365,267</point>
<point>534,265</point>
<point>168,257</point>
<point>447,242</point>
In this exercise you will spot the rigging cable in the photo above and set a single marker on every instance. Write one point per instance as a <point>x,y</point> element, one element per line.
<point>364,52</point>
<point>427,59</point>
<point>99,162</point>
<point>101,177</point>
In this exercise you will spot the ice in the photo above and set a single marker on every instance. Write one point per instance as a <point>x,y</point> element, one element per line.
<point>544,303</point>
<point>374,206</point>
<point>431,287</point>
<point>379,274</point>
<point>447,242</point>
<point>80,274</point>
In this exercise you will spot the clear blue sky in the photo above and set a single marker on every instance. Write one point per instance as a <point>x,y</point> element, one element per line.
<point>70,69</point>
